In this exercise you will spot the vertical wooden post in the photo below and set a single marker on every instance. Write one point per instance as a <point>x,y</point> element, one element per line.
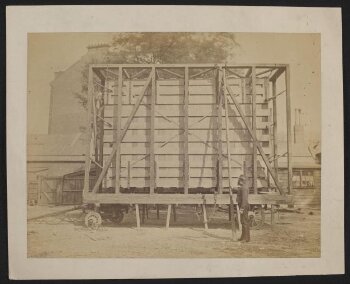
<point>228,143</point>
<point>101,127</point>
<point>219,133</point>
<point>152,157</point>
<point>137,211</point>
<point>117,123</point>
<point>129,174</point>
<point>205,217</point>
<point>255,157</point>
<point>88,129</point>
<point>168,216</point>
<point>274,117</point>
<point>186,160</point>
<point>233,224</point>
<point>272,214</point>
<point>229,212</point>
<point>289,130</point>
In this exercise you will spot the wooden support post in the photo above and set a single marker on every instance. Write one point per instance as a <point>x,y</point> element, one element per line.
<point>152,157</point>
<point>272,214</point>
<point>289,130</point>
<point>118,142</point>
<point>233,224</point>
<point>101,131</point>
<point>239,218</point>
<point>274,117</point>
<point>88,129</point>
<point>229,212</point>
<point>205,217</point>
<point>137,212</point>
<point>168,217</point>
<point>117,124</point>
<point>129,175</point>
<point>219,132</point>
<point>255,157</point>
<point>186,160</point>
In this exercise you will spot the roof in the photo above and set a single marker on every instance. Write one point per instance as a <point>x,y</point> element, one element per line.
<point>301,156</point>
<point>44,147</point>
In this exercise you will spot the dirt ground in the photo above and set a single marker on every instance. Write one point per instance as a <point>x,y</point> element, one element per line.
<point>294,234</point>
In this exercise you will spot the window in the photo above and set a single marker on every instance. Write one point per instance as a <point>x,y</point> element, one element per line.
<point>303,179</point>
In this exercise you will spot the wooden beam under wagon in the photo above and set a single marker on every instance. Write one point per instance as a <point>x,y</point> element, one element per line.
<point>195,199</point>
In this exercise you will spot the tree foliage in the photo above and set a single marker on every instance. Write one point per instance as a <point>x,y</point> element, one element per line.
<point>147,48</point>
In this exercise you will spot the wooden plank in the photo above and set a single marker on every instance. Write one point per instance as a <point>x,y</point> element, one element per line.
<point>88,130</point>
<point>117,132</point>
<point>205,217</point>
<point>227,139</point>
<point>274,116</point>
<point>129,174</point>
<point>266,161</point>
<point>278,73</point>
<point>141,198</point>
<point>186,160</point>
<point>152,134</point>
<point>120,138</point>
<point>219,132</point>
<point>168,216</point>
<point>172,73</point>
<point>254,130</point>
<point>192,65</point>
<point>137,212</point>
<point>289,129</point>
<point>233,225</point>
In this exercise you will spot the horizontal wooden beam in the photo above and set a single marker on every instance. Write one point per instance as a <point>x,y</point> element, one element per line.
<point>209,65</point>
<point>135,198</point>
<point>278,73</point>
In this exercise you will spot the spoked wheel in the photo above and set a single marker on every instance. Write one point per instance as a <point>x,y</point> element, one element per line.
<point>257,217</point>
<point>93,220</point>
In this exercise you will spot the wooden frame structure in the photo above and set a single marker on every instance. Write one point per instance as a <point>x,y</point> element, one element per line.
<point>183,133</point>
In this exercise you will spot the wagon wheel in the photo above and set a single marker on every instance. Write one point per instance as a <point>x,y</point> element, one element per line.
<point>118,216</point>
<point>257,217</point>
<point>93,220</point>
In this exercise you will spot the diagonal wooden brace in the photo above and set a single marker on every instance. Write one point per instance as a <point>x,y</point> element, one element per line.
<point>266,161</point>
<point>120,138</point>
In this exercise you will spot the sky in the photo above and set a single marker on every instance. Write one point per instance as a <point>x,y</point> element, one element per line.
<point>52,52</point>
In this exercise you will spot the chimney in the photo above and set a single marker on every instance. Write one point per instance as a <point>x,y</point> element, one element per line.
<point>298,127</point>
<point>98,47</point>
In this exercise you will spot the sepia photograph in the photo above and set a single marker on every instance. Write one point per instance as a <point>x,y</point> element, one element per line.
<point>173,145</point>
<point>157,142</point>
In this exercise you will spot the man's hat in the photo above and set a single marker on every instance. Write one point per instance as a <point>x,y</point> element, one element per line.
<point>242,178</point>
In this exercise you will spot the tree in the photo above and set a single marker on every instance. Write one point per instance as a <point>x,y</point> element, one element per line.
<point>152,47</point>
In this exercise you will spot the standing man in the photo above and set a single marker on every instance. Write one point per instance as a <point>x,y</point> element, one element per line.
<point>242,200</point>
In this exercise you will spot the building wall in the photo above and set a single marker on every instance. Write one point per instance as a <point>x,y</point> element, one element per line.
<point>36,171</point>
<point>67,115</point>
<point>307,196</point>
